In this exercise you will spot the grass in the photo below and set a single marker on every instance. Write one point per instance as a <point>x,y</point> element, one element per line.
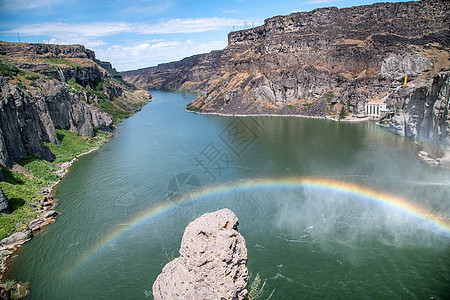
<point>72,83</point>
<point>255,291</point>
<point>32,77</point>
<point>170,257</point>
<point>115,111</point>
<point>23,191</point>
<point>61,61</point>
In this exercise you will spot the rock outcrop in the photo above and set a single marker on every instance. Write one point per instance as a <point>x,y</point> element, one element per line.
<point>17,238</point>
<point>395,67</point>
<point>28,121</point>
<point>4,203</point>
<point>212,262</point>
<point>422,112</point>
<point>186,74</point>
<point>44,87</point>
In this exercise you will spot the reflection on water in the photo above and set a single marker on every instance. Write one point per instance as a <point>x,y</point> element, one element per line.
<point>305,242</point>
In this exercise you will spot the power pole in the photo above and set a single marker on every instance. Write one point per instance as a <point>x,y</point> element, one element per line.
<point>18,37</point>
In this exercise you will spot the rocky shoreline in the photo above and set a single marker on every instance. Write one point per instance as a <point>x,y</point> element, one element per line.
<point>10,245</point>
<point>351,119</point>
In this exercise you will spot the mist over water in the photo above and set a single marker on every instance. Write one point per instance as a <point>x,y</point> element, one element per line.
<point>305,241</point>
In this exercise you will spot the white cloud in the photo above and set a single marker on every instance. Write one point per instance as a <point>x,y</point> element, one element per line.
<point>76,41</point>
<point>57,29</point>
<point>27,4</point>
<point>187,25</point>
<point>150,53</point>
<point>101,29</point>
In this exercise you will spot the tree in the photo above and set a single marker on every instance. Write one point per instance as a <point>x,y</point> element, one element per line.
<point>343,112</point>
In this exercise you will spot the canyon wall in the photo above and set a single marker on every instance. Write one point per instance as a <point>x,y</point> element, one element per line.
<point>326,62</point>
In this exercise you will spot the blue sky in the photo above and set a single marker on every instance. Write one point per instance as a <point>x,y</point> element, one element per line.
<point>140,33</point>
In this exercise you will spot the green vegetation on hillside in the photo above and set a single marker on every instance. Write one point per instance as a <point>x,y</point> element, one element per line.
<point>8,69</point>
<point>61,61</point>
<point>191,107</point>
<point>24,191</point>
<point>114,110</point>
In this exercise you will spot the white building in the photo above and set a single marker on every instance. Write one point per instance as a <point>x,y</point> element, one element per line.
<point>375,109</point>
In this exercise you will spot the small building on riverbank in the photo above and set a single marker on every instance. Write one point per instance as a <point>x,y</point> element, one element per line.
<point>375,109</point>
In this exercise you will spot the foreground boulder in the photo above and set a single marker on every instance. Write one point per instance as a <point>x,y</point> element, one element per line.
<point>212,262</point>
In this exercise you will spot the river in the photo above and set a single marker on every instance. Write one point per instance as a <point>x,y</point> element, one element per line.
<point>329,210</point>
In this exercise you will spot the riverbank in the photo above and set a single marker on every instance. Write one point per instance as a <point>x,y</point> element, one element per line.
<point>347,119</point>
<point>30,187</point>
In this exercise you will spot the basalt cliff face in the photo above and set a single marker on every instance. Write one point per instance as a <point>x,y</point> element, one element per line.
<point>422,112</point>
<point>44,87</point>
<point>328,62</point>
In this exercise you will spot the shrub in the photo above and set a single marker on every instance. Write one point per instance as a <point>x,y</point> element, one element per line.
<point>115,111</point>
<point>74,85</point>
<point>20,85</point>
<point>255,291</point>
<point>343,112</point>
<point>61,61</point>
<point>329,96</point>
<point>8,285</point>
<point>8,69</point>
<point>31,77</point>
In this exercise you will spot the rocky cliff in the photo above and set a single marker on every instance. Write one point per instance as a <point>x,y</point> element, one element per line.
<point>422,112</point>
<point>186,74</point>
<point>212,262</point>
<point>43,87</point>
<point>327,62</point>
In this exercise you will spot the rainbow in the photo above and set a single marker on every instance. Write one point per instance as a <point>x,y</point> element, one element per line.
<point>351,189</point>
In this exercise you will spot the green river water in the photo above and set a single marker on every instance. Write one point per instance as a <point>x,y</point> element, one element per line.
<point>308,241</point>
